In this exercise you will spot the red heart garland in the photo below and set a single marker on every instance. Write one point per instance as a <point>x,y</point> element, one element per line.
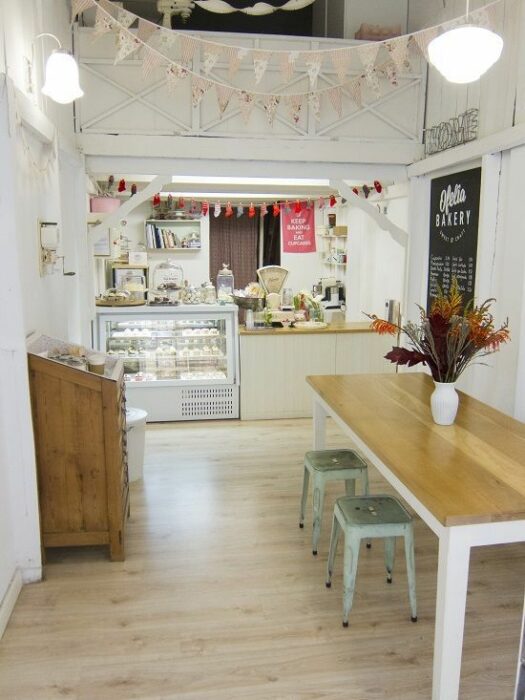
<point>333,201</point>
<point>205,207</point>
<point>122,185</point>
<point>229,210</point>
<point>297,207</point>
<point>156,200</point>
<point>276,209</point>
<point>355,191</point>
<point>181,203</point>
<point>251,211</point>
<point>378,186</point>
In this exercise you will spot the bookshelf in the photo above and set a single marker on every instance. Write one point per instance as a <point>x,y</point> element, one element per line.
<point>173,234</point>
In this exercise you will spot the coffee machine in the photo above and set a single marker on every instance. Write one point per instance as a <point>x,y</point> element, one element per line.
<point>332,292</point>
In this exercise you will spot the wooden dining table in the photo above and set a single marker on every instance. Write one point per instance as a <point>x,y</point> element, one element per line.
<point>466,481</point>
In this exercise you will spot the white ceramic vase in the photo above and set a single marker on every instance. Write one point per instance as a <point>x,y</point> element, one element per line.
<point>444,403</point>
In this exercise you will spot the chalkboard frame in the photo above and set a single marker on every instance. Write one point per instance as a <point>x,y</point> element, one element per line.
<point>453,232</point>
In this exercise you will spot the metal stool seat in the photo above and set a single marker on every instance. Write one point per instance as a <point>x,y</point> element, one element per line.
<point>360,517</point>
<point>324,466</point>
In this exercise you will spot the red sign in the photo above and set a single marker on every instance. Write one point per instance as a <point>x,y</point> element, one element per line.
<point>298,230</point>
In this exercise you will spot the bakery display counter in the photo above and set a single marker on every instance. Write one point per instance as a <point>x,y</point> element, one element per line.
<point>275,362</point>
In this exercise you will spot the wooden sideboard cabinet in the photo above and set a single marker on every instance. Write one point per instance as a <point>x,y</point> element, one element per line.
<point>79,424</point>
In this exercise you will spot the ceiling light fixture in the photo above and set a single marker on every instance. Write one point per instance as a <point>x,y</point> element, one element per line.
<point>465,53</point>
<point>61,76</point>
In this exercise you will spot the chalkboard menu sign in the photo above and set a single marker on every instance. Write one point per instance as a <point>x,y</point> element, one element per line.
<point>454,216</point>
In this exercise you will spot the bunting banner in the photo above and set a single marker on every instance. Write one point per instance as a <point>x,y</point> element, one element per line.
<point>335,97</point>
<point>176,52</point>
<point>199,87</point>
<point>211,56</point>
<point>260,64</point>
<point>224,94</point>
<point>145,30</point>
<point>126,44</point>
<point>313,63</point>
<point>287,61</point>
<point>270,104</point>
<point>236,56</point>
<point>341,62</point>
<point>174,74</point>
<point>314,100</point>
<point>398,50</point>
<point>295,105</point>
<point>246,104</point>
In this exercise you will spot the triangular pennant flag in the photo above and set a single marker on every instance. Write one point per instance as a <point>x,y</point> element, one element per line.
<point>125,18</point>
<point>313,61</point>
<point>211,56</point>
<point>295,104</point>
<point>199,87</point>
<point>187,48</point>
<point>246,104</point>
<point>174,74</point>
<point>103,23</point>
<point>424,38</point>
<point>368,54</point>
<point>314,101</point>
<point>335,96</point>
<point>398,49</point>
<point>391,72</point>
<point>151,60</point>
<point>145,30</point>
<point>164,39</point>
<point>354,88</point>
<point>372,80</point>
<point>270,104</point>
<point>224,93</point>
<point>78,6</point>
<point>341,59</point>
<point>260,64</point>
<point>127,43</point>
<point>287,61</point>
<point>235,55</point>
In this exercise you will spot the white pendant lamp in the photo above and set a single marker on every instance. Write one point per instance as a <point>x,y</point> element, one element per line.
<point>465,53</point>
<point>61,78</point>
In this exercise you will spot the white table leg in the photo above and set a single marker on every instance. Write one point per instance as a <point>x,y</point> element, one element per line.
<point>319,415</point>
<point>453,568</point>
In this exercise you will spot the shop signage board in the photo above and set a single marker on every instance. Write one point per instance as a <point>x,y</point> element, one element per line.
<point>453,132</point>
<point>454,217</point>
<point>298,229</point>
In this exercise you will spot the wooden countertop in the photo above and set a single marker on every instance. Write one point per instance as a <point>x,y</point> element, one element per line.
<point>354,327</point>
<point>469,472</point>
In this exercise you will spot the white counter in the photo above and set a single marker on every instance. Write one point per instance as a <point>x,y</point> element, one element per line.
<point>275,362</point>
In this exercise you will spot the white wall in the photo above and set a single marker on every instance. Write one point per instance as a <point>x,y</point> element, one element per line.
<point>31,175</point>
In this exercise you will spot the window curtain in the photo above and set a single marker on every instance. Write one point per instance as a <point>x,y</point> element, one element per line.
<point>272,239</point>
<point>235,241</point>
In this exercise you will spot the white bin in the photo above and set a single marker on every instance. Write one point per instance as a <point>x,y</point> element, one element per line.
<point>136,435</point>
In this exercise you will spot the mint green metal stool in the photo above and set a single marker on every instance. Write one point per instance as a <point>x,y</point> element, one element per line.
<point>362,517</point>
<point>324,466</point>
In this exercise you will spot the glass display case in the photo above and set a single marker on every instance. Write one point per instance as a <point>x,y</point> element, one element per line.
<point>179,364</point>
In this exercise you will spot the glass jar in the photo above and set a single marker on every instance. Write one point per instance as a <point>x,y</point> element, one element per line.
<point>168,275</point>
<point>191,295</point>
<point>209,293</point>
<point>225,283</point>
<point>135,284</point>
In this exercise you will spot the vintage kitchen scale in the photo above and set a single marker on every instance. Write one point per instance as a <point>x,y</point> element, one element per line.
<point>278,300</point>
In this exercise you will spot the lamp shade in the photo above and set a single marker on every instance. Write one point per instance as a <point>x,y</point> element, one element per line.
<point>463,54</point>
<point>61,83</point>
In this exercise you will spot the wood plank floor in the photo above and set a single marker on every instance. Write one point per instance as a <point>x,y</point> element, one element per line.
<point>220,597</point>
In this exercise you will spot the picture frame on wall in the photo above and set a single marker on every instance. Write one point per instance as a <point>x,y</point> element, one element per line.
<point>102,244</point>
